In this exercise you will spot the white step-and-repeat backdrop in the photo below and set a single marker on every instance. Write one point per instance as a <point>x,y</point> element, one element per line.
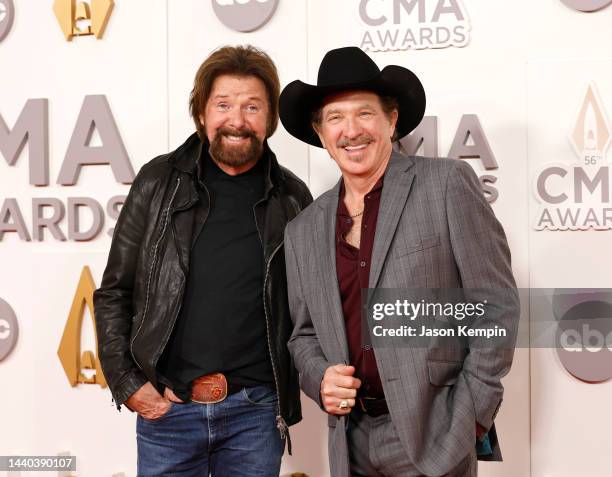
<point>90,91</point>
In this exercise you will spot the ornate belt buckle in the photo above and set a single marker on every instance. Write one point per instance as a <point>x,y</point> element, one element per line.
<point>209,389</point>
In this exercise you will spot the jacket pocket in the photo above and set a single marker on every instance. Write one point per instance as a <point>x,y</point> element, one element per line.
<point>163,416</point>
<point>417,244</point>
<point>260,396</point>
<point>443,373</point>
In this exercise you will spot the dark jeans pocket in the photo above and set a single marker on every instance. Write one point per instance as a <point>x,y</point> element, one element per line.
<point>260,396</point>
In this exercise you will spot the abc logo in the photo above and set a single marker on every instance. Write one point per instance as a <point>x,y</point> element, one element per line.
<point>7,13</point>
<point>244,15</point>
<point>587,5</point>
<point>584,334</point>
<point>9,329</point>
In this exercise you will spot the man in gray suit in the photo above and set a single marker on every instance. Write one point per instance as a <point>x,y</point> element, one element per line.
<point>398,222</point>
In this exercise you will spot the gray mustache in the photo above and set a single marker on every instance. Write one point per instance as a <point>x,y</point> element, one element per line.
<point>358,141</point>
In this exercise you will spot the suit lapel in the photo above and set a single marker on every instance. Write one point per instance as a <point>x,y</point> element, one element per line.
<point>396,187</point>
<point>326,257</point>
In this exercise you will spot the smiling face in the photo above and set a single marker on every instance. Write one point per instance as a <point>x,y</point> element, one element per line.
<point>357,132</point>
<point>235,120</point>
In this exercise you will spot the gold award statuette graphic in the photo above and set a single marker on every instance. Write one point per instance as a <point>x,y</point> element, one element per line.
<point>69,13</point>
<point>591,135</point>
<point>73,361</point>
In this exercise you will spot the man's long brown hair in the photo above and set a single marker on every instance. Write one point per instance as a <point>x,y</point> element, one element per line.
<point>236,61</point>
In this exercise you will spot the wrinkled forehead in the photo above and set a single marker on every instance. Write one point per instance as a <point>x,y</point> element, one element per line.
<point>250,87</point>
<point>349,99</point>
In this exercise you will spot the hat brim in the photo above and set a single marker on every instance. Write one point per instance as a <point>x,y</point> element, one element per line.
<point>298,100</point>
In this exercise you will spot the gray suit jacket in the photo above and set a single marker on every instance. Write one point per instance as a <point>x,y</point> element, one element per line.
<point>434,230</point>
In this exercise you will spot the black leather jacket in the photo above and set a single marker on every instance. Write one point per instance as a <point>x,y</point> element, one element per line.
<point>143,284</point>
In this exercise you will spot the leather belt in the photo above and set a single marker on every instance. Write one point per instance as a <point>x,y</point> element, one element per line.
<point>212,388</point>
<point>373,407</point>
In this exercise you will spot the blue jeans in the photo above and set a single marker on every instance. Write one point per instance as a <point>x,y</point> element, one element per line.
<point>236,437</point>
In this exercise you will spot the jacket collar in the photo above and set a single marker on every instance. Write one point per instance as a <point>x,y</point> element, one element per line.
<point>399,163</point>
<point>186,159</point>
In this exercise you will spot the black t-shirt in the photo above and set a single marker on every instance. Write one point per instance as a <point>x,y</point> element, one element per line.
<point>221,326</point>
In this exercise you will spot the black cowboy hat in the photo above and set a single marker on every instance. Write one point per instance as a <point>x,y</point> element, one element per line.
<point>346,69</point>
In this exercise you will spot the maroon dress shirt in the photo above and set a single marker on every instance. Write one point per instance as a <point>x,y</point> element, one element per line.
<point>353,269</point>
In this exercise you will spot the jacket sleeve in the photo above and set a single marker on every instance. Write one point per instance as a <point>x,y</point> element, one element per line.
<point>303,344</point>
<point>113,306</point>
<point>482,256</point>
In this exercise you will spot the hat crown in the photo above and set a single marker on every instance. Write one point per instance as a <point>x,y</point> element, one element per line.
<point>346,65</point>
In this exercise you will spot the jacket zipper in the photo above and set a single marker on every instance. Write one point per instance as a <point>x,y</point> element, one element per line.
<point>281,425</point>
<point>153,263</point>
<point>280,421</point>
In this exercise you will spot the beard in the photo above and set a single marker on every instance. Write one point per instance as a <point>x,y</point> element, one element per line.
<point>235,155</point>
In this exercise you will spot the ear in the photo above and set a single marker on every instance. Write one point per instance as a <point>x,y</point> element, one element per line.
<point>201,118</point>
<point>393,120</point>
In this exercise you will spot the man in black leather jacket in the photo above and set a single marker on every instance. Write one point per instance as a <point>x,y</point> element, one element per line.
<point>192,317</point>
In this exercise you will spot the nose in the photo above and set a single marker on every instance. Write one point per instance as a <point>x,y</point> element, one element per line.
<point>236,119</point>
<point>353,128</point>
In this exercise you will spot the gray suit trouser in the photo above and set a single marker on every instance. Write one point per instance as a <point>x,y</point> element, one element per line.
<point>375,450</point>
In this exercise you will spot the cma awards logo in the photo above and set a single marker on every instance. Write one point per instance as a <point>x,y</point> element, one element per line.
<point>9,329</point>
<point>81,367</point>
<point>413,24</point>
<point>83,18</point>
<point>584,333</point>
<point>7,14</point>
<point>576,196</point>
<point>587,5</point>
<point>95,140</point>
<point>470,142</point>
<point>244,15</point>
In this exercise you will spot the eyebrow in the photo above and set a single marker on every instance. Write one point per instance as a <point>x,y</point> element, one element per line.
<point>332,111</point>
<point>225,96</point>
<point>359,108</point>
